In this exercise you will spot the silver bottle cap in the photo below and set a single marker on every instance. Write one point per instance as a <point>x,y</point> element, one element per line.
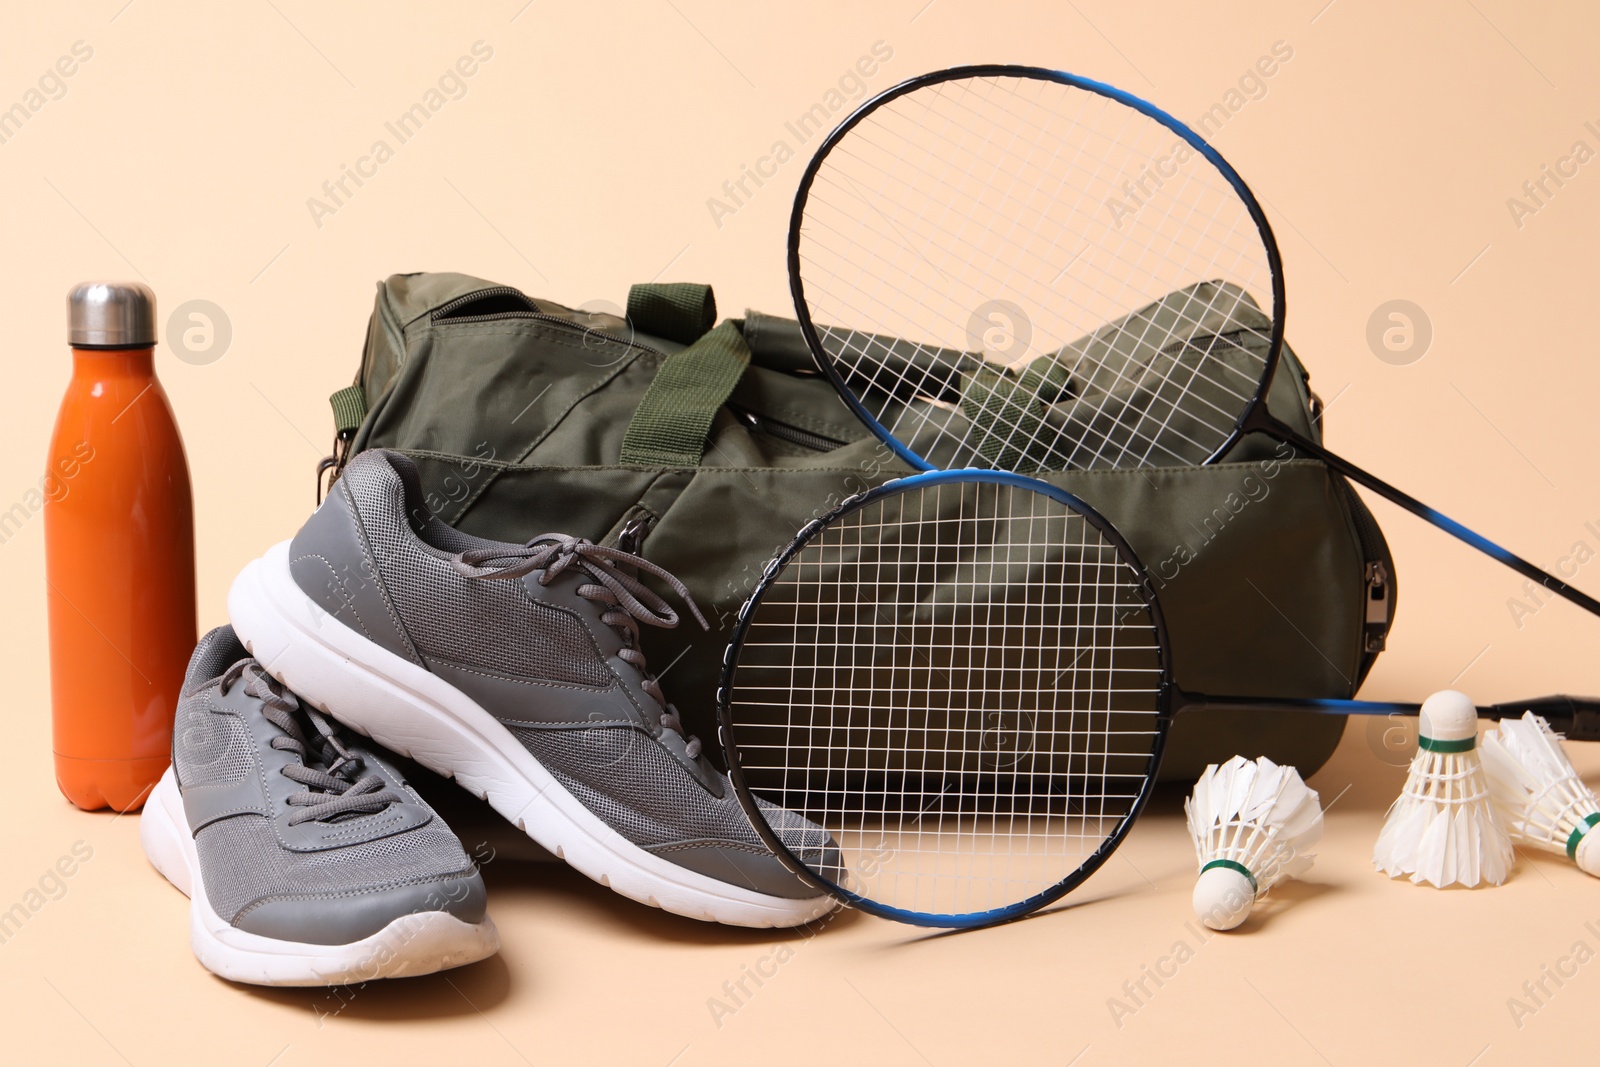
<point>111,314</point>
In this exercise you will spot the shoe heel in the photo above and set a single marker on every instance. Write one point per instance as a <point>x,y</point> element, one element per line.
<point>164,835</point>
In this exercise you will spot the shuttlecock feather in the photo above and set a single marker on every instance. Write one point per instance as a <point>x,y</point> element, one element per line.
<point>1442,830</point>
<point>1539,798</point>
<point>1252,822</point>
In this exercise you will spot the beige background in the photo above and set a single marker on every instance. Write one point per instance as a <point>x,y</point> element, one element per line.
<point>579,160</point>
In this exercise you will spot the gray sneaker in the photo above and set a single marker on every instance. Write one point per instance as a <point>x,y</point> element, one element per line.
<point>516,670</point>
<point>307,859</point>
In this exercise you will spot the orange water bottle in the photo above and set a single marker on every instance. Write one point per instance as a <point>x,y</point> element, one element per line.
<point>119,555</point>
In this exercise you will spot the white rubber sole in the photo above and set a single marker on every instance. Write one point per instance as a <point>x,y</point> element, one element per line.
<point>420,943</point>
<point>414,712</point>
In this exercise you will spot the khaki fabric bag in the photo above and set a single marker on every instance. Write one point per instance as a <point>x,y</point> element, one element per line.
<point>706,448</point>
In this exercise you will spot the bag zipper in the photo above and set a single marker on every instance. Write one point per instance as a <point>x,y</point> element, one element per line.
<point>794,435</point>
<point>1378,601</point>
<point>631,537</point>
<point>443,312</point>
<point>1376,623</point>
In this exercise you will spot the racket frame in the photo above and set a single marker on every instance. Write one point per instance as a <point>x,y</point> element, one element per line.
<point>1576,717</point>
<point>1243,425</point>
<point>1255,417</point>
<point>727,728</point>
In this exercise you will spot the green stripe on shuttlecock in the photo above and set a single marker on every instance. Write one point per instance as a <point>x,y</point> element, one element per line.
<point>1433,744</point>
<point>1234,865</point>
<point>1583,828</point>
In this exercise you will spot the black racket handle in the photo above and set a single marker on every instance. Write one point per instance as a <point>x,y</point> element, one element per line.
<point>1578,718</point>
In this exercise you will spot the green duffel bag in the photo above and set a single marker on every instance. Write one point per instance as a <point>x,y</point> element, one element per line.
<point>707,449</point>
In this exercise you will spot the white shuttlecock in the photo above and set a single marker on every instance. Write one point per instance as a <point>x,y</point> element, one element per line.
<point>1252,822</point>
<point>1539,798</point>
<point>1442,830</point>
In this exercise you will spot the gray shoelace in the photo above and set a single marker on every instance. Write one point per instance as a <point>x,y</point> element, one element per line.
<point>327,769</point>
<point>627,600</point>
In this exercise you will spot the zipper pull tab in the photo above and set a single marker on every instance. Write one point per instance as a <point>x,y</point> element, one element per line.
<point>1378,614</point>
<point>631,537</point>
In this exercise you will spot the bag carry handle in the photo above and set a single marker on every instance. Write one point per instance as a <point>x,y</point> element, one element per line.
<point>1006,407</point>
<point>678,311</point>
<point>670,426</point>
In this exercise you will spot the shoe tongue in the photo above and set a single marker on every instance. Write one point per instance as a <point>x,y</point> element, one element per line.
<point>212,656</point>
<point>411,498</point>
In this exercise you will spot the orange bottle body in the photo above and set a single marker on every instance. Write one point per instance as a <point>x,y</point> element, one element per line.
<point>119,559</point>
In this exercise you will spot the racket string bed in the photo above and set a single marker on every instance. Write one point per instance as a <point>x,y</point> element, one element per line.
<point>963,676</point>
<point>870,279</point>
<point>944,680</point>
<point>1127,267</point>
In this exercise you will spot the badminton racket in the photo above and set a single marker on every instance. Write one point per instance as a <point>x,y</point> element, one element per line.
<point>1017,268</point>
<point>965,679</point>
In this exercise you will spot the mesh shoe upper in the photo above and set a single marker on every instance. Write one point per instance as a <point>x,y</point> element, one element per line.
<point>547,650</point>
<point>418,577</point>
<point>245,865</point>
<point>297,861</point>
<point>643,794</point>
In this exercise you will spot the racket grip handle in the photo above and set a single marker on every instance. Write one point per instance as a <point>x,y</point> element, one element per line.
<point>1576,717</point>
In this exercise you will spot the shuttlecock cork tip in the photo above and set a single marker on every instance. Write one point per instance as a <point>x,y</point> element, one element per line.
<point>1449,722</point>
<point>1225,894</point>
<point>1587,852</point>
